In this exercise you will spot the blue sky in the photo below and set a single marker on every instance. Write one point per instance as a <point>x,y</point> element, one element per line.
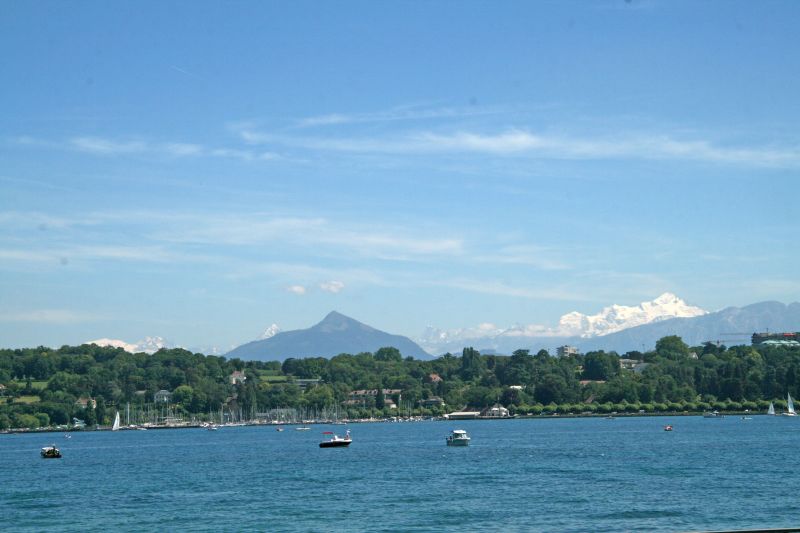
<point>200,170</point>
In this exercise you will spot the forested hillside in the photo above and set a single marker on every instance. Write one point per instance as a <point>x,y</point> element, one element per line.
<point>42,386</point>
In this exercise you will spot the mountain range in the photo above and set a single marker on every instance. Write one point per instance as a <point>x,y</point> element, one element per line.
<point>147,345</point>
<point>336,334</point>
<point>572,327</point>
<point>617,327</point>
<point>730,326</point>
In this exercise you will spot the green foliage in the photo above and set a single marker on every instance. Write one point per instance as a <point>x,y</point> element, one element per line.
<point>42,384</point>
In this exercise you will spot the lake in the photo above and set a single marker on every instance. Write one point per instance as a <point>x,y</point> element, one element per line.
<point>594,474</point>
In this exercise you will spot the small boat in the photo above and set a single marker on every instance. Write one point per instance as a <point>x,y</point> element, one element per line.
<point>771,410</point>
<point>335,441</point>
<point>115,427</point>
<point>67,436</point>
<point>667,428</point>
<point>747,418</point>
<point>302,428</point>
<point>459,437</point>
<point>278,429</point>
<point>51,452</point>
<point>789,407</point>
<point>713,414</point>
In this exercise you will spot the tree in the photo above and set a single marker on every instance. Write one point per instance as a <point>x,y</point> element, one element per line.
<point>388,354</point>
<point>600,366</point>
<point>471,363</point>
<point>380,399</point>
<point>672,347</point>
<point>319,396</point>
<point>89,416</point>
<point>184,394</point>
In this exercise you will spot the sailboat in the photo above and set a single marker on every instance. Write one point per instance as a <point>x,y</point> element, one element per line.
<point>771,410</point>
<point>789,406</point>
<point>115,427</point>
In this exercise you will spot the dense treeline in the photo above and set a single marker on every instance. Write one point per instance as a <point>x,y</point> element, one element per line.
<point>42,386</point>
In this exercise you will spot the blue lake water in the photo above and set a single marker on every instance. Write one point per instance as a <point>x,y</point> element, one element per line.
<point>594,474</point>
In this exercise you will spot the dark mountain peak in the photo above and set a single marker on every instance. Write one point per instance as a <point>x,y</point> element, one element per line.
<point>335,334</point>
<point>335,321</point>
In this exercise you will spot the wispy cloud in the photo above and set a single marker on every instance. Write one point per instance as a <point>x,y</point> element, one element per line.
<point>49,316</point>
<point>499,288</point>
<point>101,146</point>
<point>97,145</point>
<point>521,142</point>
<point>524,254</point>
<point>401,113</point>
<point>388,243</point>
<point>296,289</point>
<point>334,287</point>
<point>65,254</point>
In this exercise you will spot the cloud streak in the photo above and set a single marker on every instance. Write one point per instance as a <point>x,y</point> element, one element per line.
<point>111,147</point>
<point>49,316</point>
<point>525,143</point>
<point>402,113</point>
<point>333,287</point>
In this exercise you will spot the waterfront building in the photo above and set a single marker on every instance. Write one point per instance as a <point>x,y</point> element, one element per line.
<point>307,383</point>
<point>162,396</point>
<point>496,411</point>
<point>433,401</point>
<point>776,339</point>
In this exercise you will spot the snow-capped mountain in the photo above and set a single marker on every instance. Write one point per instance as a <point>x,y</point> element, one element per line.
<point>610,320</point>
<point>618,317</point>
<point>270,332</point>
<point>114,343</point>
<point>147,345</point>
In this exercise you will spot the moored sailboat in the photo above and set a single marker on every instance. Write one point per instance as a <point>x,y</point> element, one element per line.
<point>771,410</point>
<point>115,427</point>
<point>789,406</point>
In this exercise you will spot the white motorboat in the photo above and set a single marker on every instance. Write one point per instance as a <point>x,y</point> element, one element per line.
<point>459,437</point>
<point>335,441</point>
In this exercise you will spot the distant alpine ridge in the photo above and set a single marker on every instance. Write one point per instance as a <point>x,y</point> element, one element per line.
<point>615,328</point>
<point>612,319</point>
<point>148,345</point>
<point>730,326</point>
<point>336,334</point>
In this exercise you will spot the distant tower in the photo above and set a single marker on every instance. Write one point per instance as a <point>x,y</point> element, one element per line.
<point>566,351</point>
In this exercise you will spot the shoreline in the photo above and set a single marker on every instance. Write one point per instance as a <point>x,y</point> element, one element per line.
<point>612,416</point>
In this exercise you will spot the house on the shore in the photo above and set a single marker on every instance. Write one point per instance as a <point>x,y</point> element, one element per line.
<point>84,402</point>
<point>433,401</point>
<point>496,411</point>
<point>162,396</point>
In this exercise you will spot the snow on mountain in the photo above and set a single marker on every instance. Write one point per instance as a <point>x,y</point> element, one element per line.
<point>270,332</point>
<point>153,344</point>
<point>114,343</point>
<point>148,345</point>
<point>618,317</point>
<point>611,319</point>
